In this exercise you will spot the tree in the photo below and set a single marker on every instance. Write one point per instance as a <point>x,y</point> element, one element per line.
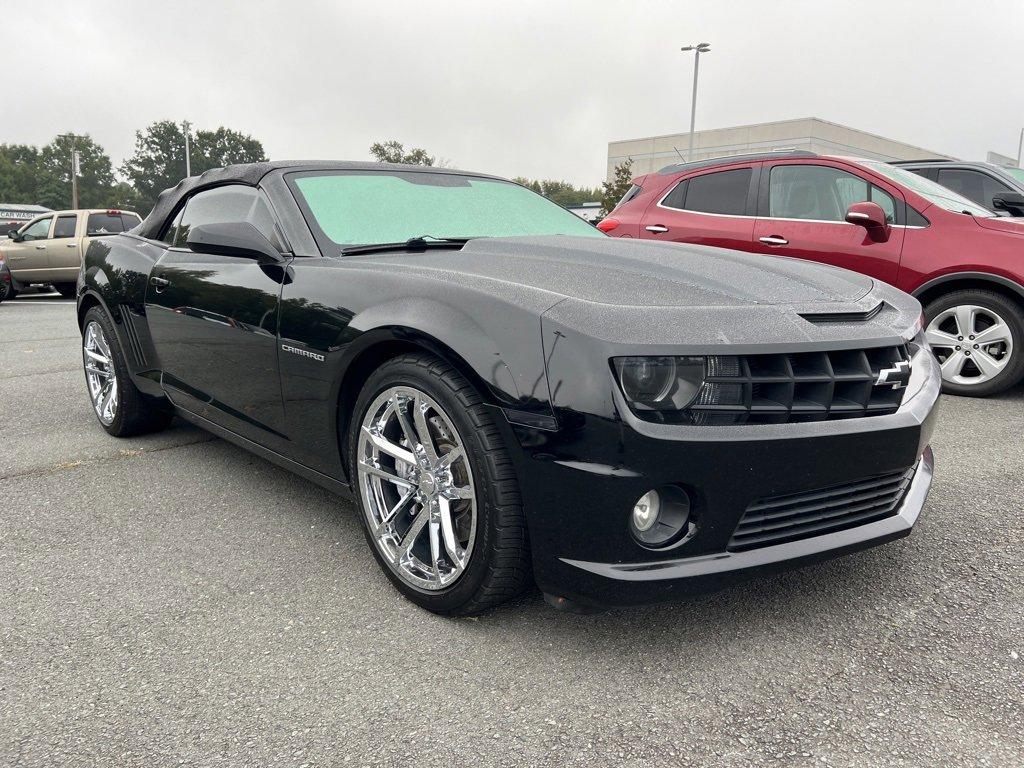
<point>43,176</point>
<point>19,181</point>
<point>561,192</point>
<point>394,152</point>
<point>622,180</point>
<point>95,177</point>
<point>159,159</point>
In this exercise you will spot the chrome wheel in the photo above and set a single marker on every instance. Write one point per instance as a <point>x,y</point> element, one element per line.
<point>973,344</point>
<point>417,488</point>
<point>99,372</point>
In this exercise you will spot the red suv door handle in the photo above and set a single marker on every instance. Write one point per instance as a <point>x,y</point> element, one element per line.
<point>656,228</point>
<point>774,240</point>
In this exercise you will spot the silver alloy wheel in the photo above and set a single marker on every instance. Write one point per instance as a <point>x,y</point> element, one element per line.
<point>99,372</point>
<point>417,488</point>
<point>973,343</point>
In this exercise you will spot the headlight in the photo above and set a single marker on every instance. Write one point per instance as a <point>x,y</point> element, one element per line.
<point>689,390</point>
<point>660,383</point>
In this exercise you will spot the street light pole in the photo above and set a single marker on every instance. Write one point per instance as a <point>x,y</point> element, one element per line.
<point>185,125</point>
<point>74,169</point>
<point>698,50</point>
<point>1020,145</point>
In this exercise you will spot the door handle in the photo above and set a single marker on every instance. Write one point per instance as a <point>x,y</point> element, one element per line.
<point>159,283</point>
<point>40,247</point>
<point>656,228</point>
<point>71,245</point>
<point>774,240</point>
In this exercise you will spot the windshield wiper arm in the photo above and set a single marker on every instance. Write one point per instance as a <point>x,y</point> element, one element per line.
<point>421,243</point>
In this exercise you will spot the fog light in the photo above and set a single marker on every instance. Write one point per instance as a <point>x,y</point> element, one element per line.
<point>645,511</point>
<point>662,516</point>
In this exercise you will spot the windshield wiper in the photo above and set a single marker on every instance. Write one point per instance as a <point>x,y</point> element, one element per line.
<point>421,243</point>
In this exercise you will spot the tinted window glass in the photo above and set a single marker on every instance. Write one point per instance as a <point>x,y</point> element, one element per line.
<point>169,234</point>
<point>821,193</point>
<point>974,185</point>
<point>224,205</point>
<point>915,219</point>
<point>104,224</point>
<point>632,192</point>
<point>65,226</point>
<point>722,192</point>
<point>885,200</point>
<point>38,230</point>
<point>677,197</point>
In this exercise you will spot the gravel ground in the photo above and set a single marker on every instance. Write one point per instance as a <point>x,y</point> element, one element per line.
<point>174,600</point>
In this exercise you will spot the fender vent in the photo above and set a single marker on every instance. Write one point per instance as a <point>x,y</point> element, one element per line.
<point>132,336</point>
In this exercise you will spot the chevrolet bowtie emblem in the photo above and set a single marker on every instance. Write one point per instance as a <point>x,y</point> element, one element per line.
<point>896,377</point>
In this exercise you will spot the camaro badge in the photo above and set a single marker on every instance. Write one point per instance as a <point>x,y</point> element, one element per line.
<point>304,353</point>
<point>896,377</point>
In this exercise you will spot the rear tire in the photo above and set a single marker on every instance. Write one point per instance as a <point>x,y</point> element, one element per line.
<point>109,382</point>
<point>485,515</point>
<point>978,338</point>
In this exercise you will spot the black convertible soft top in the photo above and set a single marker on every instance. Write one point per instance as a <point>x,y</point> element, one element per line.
<point>252,174</point>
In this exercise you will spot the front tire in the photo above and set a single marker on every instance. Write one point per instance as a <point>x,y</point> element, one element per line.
<point>978,338</point>
<point>120,407</point>
<point>437,491</point>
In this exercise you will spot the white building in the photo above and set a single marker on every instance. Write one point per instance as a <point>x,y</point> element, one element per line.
<point>810,133</point>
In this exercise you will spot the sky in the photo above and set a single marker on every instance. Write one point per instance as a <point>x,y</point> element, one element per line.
<point>524,88</point>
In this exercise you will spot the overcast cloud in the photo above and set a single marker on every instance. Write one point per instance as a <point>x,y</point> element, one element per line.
<point>515,88</point>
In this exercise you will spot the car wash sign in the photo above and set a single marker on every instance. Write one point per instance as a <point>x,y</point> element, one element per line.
<point>20,212</point>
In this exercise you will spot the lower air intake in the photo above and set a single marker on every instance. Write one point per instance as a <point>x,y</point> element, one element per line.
<point>812,513</point>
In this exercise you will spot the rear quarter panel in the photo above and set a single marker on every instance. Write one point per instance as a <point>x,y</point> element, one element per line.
<point>115,271</point>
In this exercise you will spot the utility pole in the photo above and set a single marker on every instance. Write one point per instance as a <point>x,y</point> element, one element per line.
<point>76,168</point>
<point>698,49</point>
<point>1020,145</point>
<point>185,125</point>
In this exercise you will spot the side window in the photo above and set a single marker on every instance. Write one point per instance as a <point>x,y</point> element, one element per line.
<point>38,230</point>
<point>169,234</point>
<point>676,197</point>
<point>821,193</point>
<point>632,192</point>
<point>885,201</point>
<point>974,185</point>
<point>65,226</point>
<point>104,224</point>
<point>724,192</point>
<point>223,205</point>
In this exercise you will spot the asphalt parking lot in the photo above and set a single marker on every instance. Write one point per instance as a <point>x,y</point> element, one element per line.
<point>174,600</point>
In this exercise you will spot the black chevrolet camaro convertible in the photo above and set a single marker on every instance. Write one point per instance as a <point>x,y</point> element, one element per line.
<point>510,396</point>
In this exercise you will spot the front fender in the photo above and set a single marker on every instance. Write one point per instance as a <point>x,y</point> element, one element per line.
<point>456,330</point>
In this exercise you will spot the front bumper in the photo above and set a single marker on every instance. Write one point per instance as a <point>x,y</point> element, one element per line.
<point>580,486</point>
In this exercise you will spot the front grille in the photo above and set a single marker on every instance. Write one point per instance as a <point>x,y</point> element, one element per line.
<point>802,386</point>
<point>812,513</point>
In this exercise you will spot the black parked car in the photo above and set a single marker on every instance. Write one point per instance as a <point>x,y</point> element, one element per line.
<point>995,187</point>
<point>509,394</point>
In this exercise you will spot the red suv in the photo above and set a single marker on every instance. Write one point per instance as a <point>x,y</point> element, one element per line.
<point>963,263</point>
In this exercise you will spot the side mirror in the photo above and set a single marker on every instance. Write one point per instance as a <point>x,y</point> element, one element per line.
<point>240,239</point>
<point>13,234</point>
<point>872,218</point>
<point>1012,202</point>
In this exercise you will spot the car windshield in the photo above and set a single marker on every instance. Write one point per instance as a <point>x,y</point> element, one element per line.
<point>934,193</point>
<point>1017,173</point>
<point>372,207</point>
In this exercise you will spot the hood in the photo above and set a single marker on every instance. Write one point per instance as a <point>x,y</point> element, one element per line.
<point>1013,225</point>
<point>639,273</point>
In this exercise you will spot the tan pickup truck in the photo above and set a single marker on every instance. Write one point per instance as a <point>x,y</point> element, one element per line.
<point>49,248</point>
